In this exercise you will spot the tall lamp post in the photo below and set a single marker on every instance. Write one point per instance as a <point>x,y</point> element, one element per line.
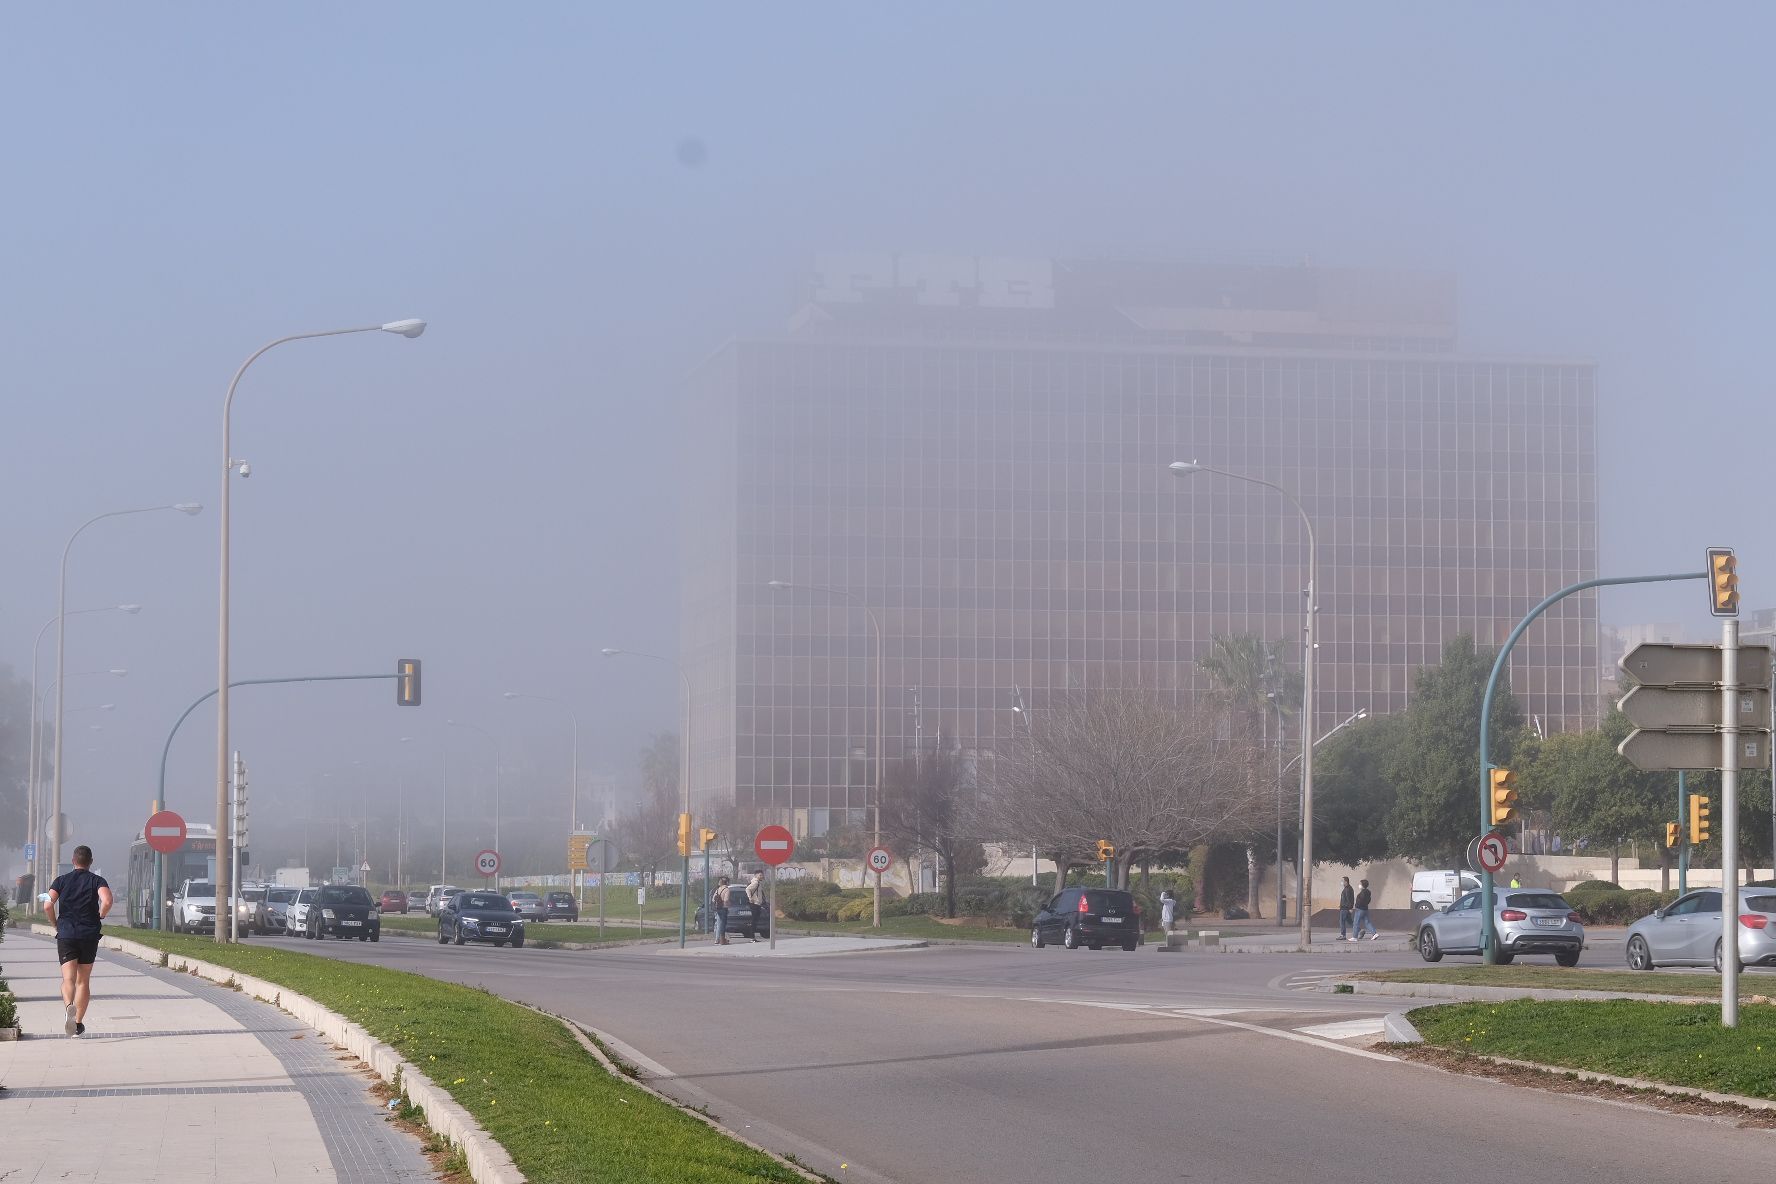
<point>1360,714</point>
<point>1185,468</point>
<point>684,776</point>
<point>407,328</point>
<point>62,615</point>
<point>573,796</point>
<point>881,661</point>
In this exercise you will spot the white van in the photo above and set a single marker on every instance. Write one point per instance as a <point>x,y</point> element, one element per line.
<point>1438,890</point>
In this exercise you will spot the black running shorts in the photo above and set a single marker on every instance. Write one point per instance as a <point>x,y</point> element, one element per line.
<point>84,950</point>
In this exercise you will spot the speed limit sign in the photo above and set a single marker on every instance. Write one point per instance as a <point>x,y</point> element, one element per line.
<point>879,860</point>
<point>487,862</point>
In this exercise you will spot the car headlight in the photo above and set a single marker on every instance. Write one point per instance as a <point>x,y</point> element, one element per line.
<point>328,914</point>
<point>470,922</point>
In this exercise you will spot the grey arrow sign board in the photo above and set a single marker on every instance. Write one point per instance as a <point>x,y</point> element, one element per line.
<point>1694,707</point>
<point>1667,664</point>
<point>1665,752</point>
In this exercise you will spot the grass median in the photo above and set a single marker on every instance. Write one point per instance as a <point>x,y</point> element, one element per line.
<point>535,932</point>
<point>1672,1043</point>
<point>561,1116</point>
<point>1557,978</point>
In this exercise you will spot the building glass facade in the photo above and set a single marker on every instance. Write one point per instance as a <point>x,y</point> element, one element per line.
<point>1003,504</point>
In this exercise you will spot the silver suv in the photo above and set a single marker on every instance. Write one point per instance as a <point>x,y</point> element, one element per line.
<point>1688,931</point>
<point>1528,921</point>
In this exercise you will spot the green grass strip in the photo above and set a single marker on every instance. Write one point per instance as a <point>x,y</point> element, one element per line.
<point>1556,978</point>
<point>1673,1043</point>
<point>560,1115</point>
<point>533,932</point>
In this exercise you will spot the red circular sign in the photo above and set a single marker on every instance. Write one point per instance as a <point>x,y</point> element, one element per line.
<point>165,832</point>
<point>487,862</point>
<point>1492,851</point>
<point>880,860</point>
<point>774,845</point>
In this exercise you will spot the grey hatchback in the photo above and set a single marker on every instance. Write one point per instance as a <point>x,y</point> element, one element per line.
<point>1527,922</point>
<point>1687,932</point>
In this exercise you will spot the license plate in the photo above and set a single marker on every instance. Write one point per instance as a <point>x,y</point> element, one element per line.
<point>1550,922</point>
<point>349,924</point>
<point>496,929</point>
<point>1110,920</point>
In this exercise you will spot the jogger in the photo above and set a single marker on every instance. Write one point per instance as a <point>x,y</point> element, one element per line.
<point>77,906</point>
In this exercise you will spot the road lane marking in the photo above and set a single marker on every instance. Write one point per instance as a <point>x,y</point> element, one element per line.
<point>1345,1029</point>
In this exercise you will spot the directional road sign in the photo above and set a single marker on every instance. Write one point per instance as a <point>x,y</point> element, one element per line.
<point>774,844</point>
<point>30,852</point>
<point>487,862</point>
<point>1659,752</point>
<point>1694,707</point>
<point>164,832</point>
<point>1491,851</point>
<point>880,860</point>
<point>1666,664</point>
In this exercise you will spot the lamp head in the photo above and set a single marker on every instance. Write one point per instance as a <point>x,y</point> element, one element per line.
<point>131,609</point>
<point>608,652</point>
<point>192,508</point>
<point>119,671</point>
<point>1183,468</point>
<point>511,694</point>
<point>1363,713</point>
<point>107,707</point>
<point>780,585</point>
<point>407,328</point>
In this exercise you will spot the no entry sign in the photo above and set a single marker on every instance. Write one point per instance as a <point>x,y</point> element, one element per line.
<point>774,845</point>
<point>164,832</point>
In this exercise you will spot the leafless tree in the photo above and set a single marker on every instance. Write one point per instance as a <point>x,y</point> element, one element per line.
<point>734,826</point>
<point>648,834</point>
<point>926,807</point>
<point>1126,767</point>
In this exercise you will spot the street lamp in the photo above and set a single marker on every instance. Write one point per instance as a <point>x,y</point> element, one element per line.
<point>62,614</point>
<point>881,661</point>
<point>407,328</point>
<point>499,772</point>
<point>684,774</point>
<point>573,797</point>
<point>1185,468</point>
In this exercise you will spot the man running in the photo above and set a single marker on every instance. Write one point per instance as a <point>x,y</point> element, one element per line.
<point>83,901</point>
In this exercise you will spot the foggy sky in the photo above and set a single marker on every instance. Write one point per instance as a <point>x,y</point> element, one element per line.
<point>187,182</point>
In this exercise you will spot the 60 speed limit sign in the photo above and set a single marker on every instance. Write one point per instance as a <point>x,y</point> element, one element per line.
<point>880,860</point>
<point>487,862</point>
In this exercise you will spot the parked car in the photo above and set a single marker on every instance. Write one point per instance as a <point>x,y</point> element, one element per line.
<point>1092,917</point>
<point>479,916</point>
<point>254,895</point>
<point>561,906</point>
<point>393,901</point>
<point>741,919</point>
<point>436,894</point>
<point>343,910</point>
<point>1528,921</point>
<point>296,912</point>
<point>1687,932</point>
<point>278,900</point>
<point>1438,890</point>
<point>528,905</point>
<point>194,909</point>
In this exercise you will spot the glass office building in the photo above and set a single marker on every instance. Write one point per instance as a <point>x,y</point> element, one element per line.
<point>977,451</point>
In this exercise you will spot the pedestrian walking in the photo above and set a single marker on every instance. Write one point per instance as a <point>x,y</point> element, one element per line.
<point>718,904</point>
<point>1361,904</point>
<point>755,896</point>
<point>1347,901</point>
<point>77,906</point>
<point>1168,909</point>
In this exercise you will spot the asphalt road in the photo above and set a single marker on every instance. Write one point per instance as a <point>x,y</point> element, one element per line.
<point>1013,1065</point>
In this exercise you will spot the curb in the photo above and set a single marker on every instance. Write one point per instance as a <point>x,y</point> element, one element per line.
<point>1658,1087</point>
<point>544,943</point>
<point>1399,1030</point>
<point>1459,993</point>
<point>487,1160</point>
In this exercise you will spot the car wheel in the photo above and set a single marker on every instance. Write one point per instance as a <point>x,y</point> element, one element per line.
<point>363,937</point>
<point>1505,957</point>
<point>1428,949</point>
<point>1717,958</point>
<point>1070,939</point>
<point>1036,937</point>
<point>377,936</point>
<point>1423,906</point>
<point>442,936</point>
<point>517,942</point>
<point>1640,957</point>
<point>1567,958</point>
<point>1129,946</point>
<point>459,936</point>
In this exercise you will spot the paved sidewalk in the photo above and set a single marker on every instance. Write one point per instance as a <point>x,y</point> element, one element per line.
<point>178,1079</point>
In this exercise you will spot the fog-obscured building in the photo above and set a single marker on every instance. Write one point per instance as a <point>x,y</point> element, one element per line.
<point>977,449</point>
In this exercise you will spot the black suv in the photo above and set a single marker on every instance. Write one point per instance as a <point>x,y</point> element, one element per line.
<point>479,916</point>
<point>344,910</point>
<point>1094,917</point>
<point>562,905</point>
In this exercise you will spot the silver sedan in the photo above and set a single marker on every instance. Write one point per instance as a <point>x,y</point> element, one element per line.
<point>1687,932</point>
<point>1527,921</point>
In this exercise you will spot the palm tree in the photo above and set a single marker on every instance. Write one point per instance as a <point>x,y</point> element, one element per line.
<point>1251,676</point>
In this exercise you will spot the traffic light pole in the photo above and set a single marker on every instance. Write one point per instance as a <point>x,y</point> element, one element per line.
<point>1683,837</point>
<point>1488,940</point>
<point>1729,828</point>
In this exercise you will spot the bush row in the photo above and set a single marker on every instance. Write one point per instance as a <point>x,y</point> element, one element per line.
<point>1599,902</point>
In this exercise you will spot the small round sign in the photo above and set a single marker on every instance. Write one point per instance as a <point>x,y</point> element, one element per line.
<point>1491,851</point>
<point>880,860</point>
<point>164,832</point>
<point>487,862</point>
<point>774,844</point>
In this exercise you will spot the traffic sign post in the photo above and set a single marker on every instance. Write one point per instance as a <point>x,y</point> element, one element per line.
<point>164,833</point>
<point>773,845</point>
<point>487,862</point>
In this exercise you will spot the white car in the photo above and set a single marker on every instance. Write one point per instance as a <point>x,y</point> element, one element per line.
<point>296,912</point>
<point>194,909</point>
<point>437,893</point>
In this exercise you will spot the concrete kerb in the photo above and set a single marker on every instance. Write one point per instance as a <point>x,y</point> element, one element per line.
<point>487,1161</point>
<point>1399,1030</point>
<point>1459,993</point>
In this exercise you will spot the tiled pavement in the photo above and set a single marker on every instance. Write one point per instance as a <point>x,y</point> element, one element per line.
<point>178,1079</point>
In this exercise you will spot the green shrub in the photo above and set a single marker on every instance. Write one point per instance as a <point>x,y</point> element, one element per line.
<point>861,909</point>
<point>8,1012</point>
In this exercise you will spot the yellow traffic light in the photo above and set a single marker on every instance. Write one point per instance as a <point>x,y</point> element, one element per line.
<point>1106,850</point>
<point>684,834</point>
<point>407,682</point>
<point>1672,833</point>
<point>1504,796</point>
<point>705,836</point>
<point>1699,820</point>
<point>1723,582</point>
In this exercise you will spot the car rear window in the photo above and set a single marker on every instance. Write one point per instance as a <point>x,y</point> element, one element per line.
<point>1099,900</point>
<point>561,898</point>
<point>1759,904</point>
<point>1536,900</point>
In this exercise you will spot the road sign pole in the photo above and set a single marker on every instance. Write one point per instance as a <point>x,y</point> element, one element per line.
<point>1488,944</point>
<point>771,908</point>
<point>1729,823</point>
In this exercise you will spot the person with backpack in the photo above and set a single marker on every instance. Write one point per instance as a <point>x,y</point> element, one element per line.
<point>755,896</point>
<point>718,906</point>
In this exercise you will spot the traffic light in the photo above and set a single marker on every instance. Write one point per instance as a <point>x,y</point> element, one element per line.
<point>1106,850</point>
<point>1672,834</point>
<point>684,834</point>
<point>1699,820</point>
<point>407,685</point>
<point>1504,796</point>
<point>1723,582</point>
<point>705,836</point>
